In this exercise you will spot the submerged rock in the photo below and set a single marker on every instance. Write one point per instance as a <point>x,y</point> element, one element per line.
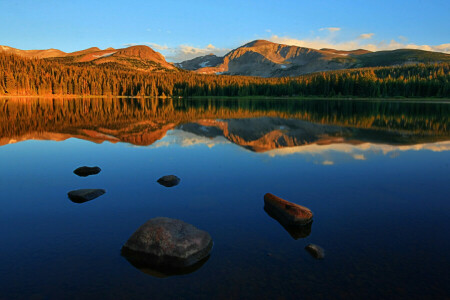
<point>169,180</point>
<point>297,231</point>
<point>286,212</point>
<point>315,251</point>
<point>83,195</point>
<point>168,245</point>
<point>86,171</point>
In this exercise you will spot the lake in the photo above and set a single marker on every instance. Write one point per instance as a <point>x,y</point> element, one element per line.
<point>376,175</point>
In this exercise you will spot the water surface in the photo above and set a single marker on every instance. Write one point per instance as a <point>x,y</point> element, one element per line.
<point>375,174</point>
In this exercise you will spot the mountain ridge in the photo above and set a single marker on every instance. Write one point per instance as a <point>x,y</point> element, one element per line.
<point>134,57</point>
<point>268,59</point>
<point>260,58</point>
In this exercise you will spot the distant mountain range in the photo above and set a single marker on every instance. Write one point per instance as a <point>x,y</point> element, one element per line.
<point>257,58</point>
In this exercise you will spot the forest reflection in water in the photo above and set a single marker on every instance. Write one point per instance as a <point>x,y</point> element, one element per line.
<point>256,124</point>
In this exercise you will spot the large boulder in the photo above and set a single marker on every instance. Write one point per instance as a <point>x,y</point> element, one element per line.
<point>169,180</point>
<point>286,212</point>
<point>86,171</point>
<point>83,195</point>
<point>168,246</point>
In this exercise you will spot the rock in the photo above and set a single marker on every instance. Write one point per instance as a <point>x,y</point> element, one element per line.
<point>86,171</point>
<point>83,195</point>
<point>315,251</point>
<point>169,180</point>
<point>286,212</point>
<point>168,245</point>
<point>297,231</point>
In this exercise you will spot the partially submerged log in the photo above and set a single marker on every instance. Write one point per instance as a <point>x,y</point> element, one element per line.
<point>287,212</point>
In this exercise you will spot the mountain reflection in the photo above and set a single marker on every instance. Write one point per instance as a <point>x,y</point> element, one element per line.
<point>257,125</point>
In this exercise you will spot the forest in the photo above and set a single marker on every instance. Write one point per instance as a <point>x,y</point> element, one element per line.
<point>23,76</point>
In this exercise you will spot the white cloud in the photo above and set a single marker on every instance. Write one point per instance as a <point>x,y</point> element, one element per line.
<point>357,43</point>
<point>358,152</point>
<point>157,46</point>
<point>365,36</point>
<point>330,29</point>
<point>130,44</point>
<point>187,139</point>
<point>185,52</point>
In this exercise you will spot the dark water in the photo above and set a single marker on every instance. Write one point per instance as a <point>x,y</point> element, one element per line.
<point>375,174</point>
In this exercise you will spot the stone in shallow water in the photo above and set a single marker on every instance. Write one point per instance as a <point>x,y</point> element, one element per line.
<point>169,180</point>
<point>287,212</point>
<point>86,171</point>
<point>83,195</point>
<point>315,251</point>
<point>168,246</point>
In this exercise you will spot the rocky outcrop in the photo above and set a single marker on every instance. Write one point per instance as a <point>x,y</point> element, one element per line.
<point>86,171</point>
<point>168,246</point>
<point>287,212</point>
<point>83,195</point>
<point>316,251</point>
<point>169,180</point>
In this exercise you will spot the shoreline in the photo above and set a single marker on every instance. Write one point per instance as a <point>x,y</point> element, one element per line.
<point>393,99</point>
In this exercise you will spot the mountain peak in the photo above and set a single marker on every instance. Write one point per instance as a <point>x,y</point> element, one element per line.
<point>141,51</point>
<point>258,43</point>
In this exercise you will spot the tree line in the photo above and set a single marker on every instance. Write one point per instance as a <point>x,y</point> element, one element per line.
<point>23,76</point>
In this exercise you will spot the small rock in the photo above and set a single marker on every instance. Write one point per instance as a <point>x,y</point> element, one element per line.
<point>86,171</point>
<point>169,180</point>
<point>315,251</point>
<point>83,195</point>
<point>168,244</point>
<point>287,212</point>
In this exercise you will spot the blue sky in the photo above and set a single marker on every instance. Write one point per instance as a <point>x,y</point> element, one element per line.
<point>184,29</point>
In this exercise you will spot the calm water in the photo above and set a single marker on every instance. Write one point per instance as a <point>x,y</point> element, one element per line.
<point>375,174</point>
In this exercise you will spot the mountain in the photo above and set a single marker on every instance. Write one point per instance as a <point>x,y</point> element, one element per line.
<point>268,59</point>
<point>131,58</point>
<point>257,58</point>
<point>33,53</point>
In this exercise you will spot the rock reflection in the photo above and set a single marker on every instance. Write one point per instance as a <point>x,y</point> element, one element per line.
<point>150,264</point>
<point>297,231</point>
